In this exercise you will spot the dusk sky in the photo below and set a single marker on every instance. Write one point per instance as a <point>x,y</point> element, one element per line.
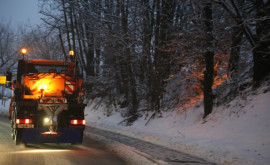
<point>19,12</point>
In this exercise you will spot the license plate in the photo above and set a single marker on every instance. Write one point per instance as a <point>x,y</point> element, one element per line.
<point>53,100</point>
<point>25,125</point>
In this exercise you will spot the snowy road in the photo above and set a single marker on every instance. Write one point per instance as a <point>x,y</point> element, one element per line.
<point>52,154</point>
<point>90,152</point>
<point>156,152</point>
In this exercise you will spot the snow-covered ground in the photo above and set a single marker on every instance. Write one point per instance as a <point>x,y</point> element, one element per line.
<point>237,133</point>
<point>4,105</point>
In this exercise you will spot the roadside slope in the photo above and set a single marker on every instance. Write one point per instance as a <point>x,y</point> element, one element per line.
<point>236,133</point>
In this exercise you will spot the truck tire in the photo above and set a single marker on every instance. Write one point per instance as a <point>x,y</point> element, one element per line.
<point>13,125</point>
<point>12,130</point>
<point>16,133</point>
<point>18,136</point>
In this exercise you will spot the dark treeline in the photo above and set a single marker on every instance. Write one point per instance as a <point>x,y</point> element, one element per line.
<point>161,52</point>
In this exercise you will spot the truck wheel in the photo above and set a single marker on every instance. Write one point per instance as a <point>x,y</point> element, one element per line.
<point>18,136</point>
<point>13,130</point>
<point>13,125</point>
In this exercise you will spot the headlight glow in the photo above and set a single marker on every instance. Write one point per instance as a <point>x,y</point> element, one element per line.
<point>46,120</point>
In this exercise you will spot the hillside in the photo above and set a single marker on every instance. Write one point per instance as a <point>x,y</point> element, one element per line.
<point>235,133</point>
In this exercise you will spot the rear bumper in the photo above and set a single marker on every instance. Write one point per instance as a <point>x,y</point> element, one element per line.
<point>65,135</point>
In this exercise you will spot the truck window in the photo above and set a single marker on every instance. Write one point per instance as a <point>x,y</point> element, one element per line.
<point>49,68</point>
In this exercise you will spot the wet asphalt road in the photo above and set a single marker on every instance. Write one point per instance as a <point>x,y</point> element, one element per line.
<point>89,153</point>
<point>155,151</point>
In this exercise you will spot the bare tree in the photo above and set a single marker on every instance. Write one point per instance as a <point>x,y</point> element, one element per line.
<point>261,53</point>
<point>209,59</point>
<point>250,15</point>
<point>42,44</point>
<point>133,51</point>
<point>8,48</point>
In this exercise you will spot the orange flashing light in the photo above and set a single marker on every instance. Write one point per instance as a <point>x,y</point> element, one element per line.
<point>23,51</point>
<point>71,53</point>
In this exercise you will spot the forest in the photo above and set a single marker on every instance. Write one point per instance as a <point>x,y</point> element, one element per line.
<point>151,55</point>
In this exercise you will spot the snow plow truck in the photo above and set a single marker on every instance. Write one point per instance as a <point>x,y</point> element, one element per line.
<point>47,103</point>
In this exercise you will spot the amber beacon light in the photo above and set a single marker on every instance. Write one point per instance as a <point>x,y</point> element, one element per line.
<point>23,51</point>
<point>71,53</point>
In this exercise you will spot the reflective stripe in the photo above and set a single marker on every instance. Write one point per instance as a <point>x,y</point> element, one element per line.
<point>69,87</point>
<point>35,87</point>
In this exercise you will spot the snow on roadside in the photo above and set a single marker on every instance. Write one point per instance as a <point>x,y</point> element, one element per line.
<point>236,133</point>
<point>4,105</point>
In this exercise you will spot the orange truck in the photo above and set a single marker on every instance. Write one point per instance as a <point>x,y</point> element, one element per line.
<point>47,103</point>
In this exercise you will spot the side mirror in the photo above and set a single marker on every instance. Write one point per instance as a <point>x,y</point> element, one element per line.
<point>8,76</point>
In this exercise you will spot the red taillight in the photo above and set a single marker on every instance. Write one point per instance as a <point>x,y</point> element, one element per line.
<point>77,122</point>
<point>27,121</point>
<point>24,121</point>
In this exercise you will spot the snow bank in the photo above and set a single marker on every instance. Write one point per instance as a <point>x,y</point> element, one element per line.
<point>236,133</point>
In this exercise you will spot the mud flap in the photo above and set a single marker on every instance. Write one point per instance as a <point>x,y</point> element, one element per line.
<point>66,135</point>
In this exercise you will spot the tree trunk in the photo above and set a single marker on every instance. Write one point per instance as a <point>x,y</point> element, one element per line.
<point>62,44</point>
<point>66,24</point>
<point>147,63</point>
<point>155,92</point>
<point>90,69</point>
<point>209,60</point>
<point>233,68</point>
<point>71,6</point>
<point>261,53</point>
<point>132,114</point>
<point>79,32</point>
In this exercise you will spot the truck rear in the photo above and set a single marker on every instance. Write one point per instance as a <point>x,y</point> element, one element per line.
<point>47,103</point>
